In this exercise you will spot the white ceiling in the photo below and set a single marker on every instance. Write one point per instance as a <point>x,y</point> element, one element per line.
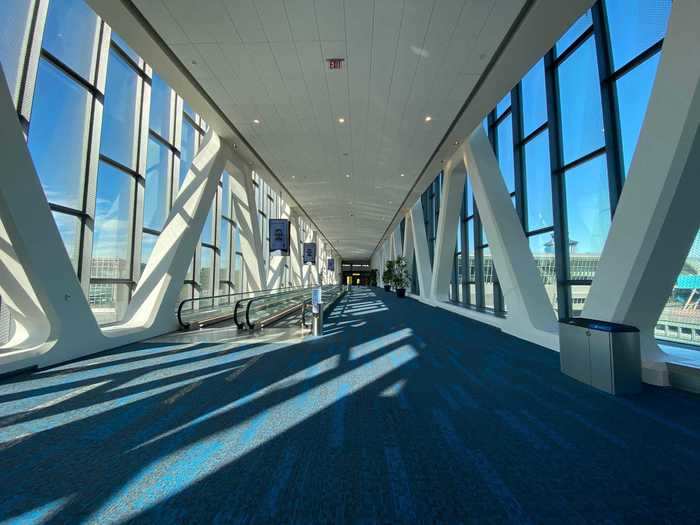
<point>405,59</point>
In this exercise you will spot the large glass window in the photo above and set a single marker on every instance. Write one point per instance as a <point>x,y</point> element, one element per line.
<point>538,182</point>
<point>534,99</point>
<point>13,40</point>
<point>161,113</point>
<point>635,26</point>
<point>505,151</point>
<point>119,133</point>
<point>71,35</point>
<point>59,158</point>
<point>581,110</point>
<point>155,206</point>
<point>575,31</point>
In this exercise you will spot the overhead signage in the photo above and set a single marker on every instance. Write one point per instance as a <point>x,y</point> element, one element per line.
<point>309,253</point>
<point>279,237</point>
<point>331,265</point>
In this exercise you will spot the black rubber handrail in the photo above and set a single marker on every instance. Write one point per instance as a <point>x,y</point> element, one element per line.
<point>186,325</point>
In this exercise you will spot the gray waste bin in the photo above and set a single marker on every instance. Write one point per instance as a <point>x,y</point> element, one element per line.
<point>602,354</point>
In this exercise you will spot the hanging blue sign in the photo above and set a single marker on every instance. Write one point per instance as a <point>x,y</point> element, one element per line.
<point>331,265</point>
<point>309,253</point>
<point>279,237</point>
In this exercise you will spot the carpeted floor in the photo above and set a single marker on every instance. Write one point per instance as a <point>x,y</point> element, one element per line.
<point>401,413</point>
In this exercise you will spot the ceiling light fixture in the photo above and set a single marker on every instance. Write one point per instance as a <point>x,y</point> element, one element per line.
<point>347,175</point>
<point>403,174</point>
<point>341,120</point>
<point>256,121</point>
<point>428,118</point>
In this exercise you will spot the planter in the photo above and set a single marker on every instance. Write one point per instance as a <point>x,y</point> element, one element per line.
<point>401,292</point>
<point>387,287</point>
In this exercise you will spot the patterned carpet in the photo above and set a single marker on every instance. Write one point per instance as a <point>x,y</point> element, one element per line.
<point>400,413</point>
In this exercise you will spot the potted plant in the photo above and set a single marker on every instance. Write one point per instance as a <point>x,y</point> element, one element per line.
<point>388,275</point>
<point>401,279</point>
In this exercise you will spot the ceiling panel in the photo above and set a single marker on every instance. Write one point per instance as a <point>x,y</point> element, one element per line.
<point>405,59</point>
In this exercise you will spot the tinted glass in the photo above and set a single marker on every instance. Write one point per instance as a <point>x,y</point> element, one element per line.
<point>588,215</point>
<point>503,105</point>
<point>148,242</point>
<point>206,272</point>
<point>633,92</point>
<point>15,26</point>
<point>160,113</point>
<point>119,137</point>
<point>208,230</point>
<point>575,31</point>
<point>542,248</point>
<point>488,279</point>
<point>505,151</point>
<point>225,249</point>
<point>534,99</point>
<point>133,55</point>
<point>155,205</point>
<point>59,158</point>
<point>111,244</point>
<point>70,35</point>
<point>69,229</point>
<point>538,182</point>
<point>187,149</point>
<point>635,27</point>
<point>108,301</point>
<point>581,110</point>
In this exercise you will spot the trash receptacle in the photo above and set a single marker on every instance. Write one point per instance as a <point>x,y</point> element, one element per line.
<point>602,354</point>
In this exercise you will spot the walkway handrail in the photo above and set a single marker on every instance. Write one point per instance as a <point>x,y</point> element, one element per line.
<point>252,300</point>
<point>185,325</point>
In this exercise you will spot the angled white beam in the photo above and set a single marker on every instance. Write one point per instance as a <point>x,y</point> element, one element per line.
<point>446,240</point>
<point>656,218</point>
<point>398,249</point>
<point>247,220</point>
<point>295,249</point>
<point>530,314</point>
<point>161,280</point>
<point>420,247</point>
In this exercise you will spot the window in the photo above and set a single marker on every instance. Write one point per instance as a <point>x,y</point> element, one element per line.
<point>158,169</point>
<point>505,151</point>
<point>575,31</point>
<point>161,114</point>
<point>538,182</point>
<point>581,109</point>
<point>534,99</point>
<point>13,40</point>
<point>634,28</point>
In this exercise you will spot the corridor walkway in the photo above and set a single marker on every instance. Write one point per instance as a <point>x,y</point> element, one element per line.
<point>400,413</point>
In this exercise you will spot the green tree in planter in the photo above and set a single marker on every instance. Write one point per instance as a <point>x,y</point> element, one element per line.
<point>388,275</point>
<point>400,276</point>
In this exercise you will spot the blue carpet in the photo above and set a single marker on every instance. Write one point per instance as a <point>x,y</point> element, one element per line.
<point>400,413</point>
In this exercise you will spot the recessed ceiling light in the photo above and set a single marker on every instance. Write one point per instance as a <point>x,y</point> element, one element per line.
<point>294,176</point>
<point>403,174</point>
<point>456,143</point>
<point>256,121</point>
<point>347,175</point>
<point>428,118</point>
<point>341,120</point>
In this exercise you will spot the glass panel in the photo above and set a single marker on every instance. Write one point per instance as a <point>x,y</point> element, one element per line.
<point>224,248</point>
<point>534,99</point>
<point>77,48</point>
<point>488,279</point>
<point>505,152</point>
<point>187,149</point>
<point>588,216</point>
<point>575,31</point>
<point>160,113</point>
<point>503,105</point>
<point>189,111</point>
<point>469,197</point>
<point>208,229</point>
<point>133,55</point>
<point>111,245</point>
<point>155,205</point>
<point>13,40</point>
<point>226,195</point>
<point>578,294</point>
<point>59,158</point>
<point>148,242</point>
<point>206,272</point>
<point>186,293</point>
<point>69,228</point>
<point>542,248</point>
<point>633,92</point>
<point>108,301</point>
<point>538,182</point>
<point>634,28</point>
<point>581,109</point>
<point>680,319</point>
<point>238,273</point>
<point>119,137</point>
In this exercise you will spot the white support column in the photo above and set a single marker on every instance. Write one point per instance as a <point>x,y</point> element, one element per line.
<point>295,249</point>
<point>407,250</point>
<point>420,246</point>
<point>247,220</point>
<point>314,269</point>
<point>656,218</point>
<point>446,240</point>
<point>530,314</point>
<point>398,249</point>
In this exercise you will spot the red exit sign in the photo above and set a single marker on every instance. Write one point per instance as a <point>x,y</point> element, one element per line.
<point>335,63</point>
